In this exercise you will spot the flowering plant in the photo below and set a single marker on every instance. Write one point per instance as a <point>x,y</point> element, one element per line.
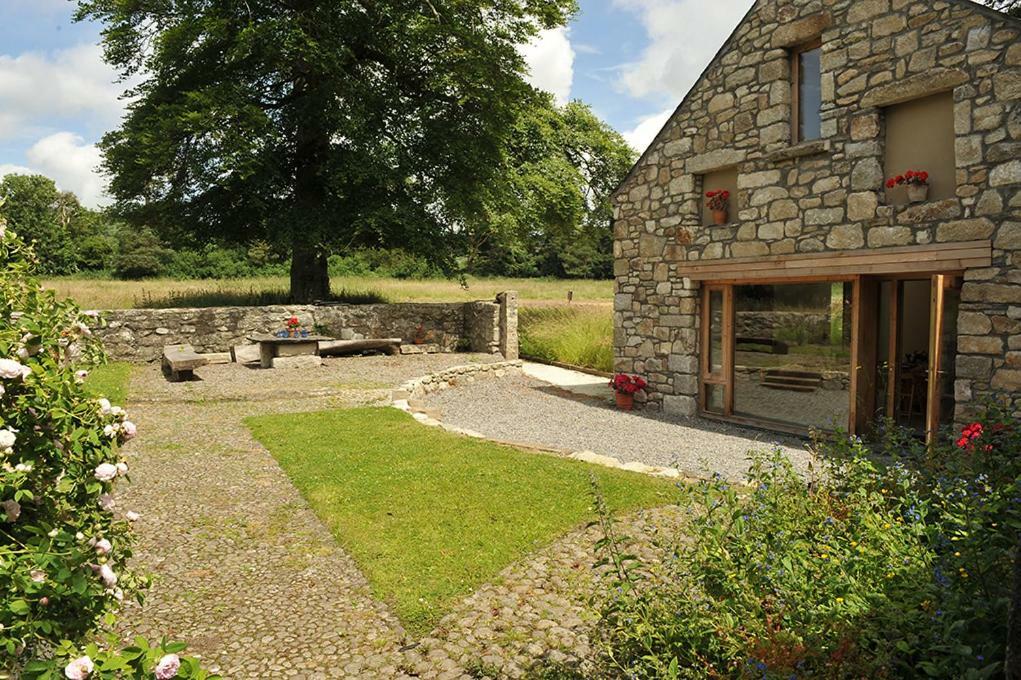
<point>911,177</point>
<point>717,200</point>
<point>293,323</point>
<point>64,543</point>
<point>623,383</point>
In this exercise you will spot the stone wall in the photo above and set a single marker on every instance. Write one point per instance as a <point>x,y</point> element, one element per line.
<point>828,195</point>
<point>139,335</point>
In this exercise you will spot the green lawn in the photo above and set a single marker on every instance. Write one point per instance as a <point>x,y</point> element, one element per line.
<point>110,381</point>
<point>577,334</point>
<point>429,515</point>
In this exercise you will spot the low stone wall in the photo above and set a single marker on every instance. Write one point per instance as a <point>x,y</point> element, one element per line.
<point>139,335</point>
<point>451,377</point>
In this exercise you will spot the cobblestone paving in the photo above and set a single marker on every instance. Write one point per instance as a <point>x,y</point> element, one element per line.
<point>247,575</point>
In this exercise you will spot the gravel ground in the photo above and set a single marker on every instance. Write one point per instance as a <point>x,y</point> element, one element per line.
<point>528,411</point>
<point>245,573</point>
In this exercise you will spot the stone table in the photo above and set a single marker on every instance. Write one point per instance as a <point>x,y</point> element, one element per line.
<point>271,346</point>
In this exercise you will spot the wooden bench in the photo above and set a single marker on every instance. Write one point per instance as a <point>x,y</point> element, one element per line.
<point>338,347</point>
<point>180,362</point>
<point>776,346</point>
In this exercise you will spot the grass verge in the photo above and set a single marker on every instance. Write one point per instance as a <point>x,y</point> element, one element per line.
<point>110,381</point>
<point>429,515</point>
<point>578,334</point>
<point>112,294</point>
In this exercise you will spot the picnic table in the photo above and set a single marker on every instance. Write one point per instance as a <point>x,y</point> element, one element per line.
<point>271,346</point>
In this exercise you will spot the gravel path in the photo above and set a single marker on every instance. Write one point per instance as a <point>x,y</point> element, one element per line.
<point>528,411</point>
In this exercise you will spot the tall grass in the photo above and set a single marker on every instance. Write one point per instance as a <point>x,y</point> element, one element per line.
<point>110,294</point>
<point>581,335</point>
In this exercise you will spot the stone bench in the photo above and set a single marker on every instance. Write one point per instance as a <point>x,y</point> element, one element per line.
<point>180,362</point>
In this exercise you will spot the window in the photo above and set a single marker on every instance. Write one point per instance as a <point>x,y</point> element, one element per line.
<point>806,86</point>
<point>920,136</point>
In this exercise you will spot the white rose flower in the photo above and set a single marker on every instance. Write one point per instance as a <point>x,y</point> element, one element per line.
<point>116,411</point>
<point>132,516</point>
<point>128,430</point>
<point>122,468</point>
<point>7,440</point>
<point>23,467</point>
<point>103,546</point>
<point>106,502</point>
<point>79,669</point>
<point>104,472</point>
<point>80,376</point>
<point>110,431</point>
<point>104,406</point>
<point>13,370</point>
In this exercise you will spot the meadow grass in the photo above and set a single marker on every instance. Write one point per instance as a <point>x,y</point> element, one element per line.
<point>110,381</point>
<point>112,294</point>
<point>581,335</point>
<point>429,515</point>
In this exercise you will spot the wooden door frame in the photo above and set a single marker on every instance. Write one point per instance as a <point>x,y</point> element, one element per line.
<point>725,376</point>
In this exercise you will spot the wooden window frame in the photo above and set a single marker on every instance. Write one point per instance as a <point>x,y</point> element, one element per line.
<point>795,57</point>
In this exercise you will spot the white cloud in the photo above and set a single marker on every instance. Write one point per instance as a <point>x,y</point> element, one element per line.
<point>37,88</point>
<point>70,162</point>
<point>642,134</point>
<point>684,35</point>
<point>550,60</point>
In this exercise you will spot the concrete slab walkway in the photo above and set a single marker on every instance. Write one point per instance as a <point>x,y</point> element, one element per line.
<point>576,382</point>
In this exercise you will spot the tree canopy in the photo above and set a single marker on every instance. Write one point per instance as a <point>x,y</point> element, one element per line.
<point>322,124</point>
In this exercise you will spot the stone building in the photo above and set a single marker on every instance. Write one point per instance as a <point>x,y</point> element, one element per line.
<point>824,298</point>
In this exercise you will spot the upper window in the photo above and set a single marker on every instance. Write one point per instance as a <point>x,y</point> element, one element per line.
<point>806,82</point>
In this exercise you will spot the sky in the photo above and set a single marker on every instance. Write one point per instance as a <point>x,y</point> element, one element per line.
<point>632,61</point>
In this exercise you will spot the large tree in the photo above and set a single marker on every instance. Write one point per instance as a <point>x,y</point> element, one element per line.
<point>321,123</point>
<point>548,210</point>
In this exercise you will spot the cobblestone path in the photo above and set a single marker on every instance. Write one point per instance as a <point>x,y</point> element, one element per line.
<point>247,575</point>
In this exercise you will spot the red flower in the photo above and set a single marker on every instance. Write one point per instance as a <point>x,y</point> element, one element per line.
<point>900,179</point>
<point>627,384</point>
<point>891,183</point>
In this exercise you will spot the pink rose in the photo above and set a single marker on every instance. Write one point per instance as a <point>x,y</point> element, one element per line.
<point>79,669</point>
<point>106,502</point>
<point>132,516</point>
<point>167,667</point>
<point>128,430</point>
<point>107,575</point>
<point>103,546</point>
<point>105,472</point>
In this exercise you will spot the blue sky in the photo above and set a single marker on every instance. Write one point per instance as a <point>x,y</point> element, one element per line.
<point>631,60</point>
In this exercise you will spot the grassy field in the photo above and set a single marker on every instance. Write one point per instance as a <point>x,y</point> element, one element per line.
<point>110,381</point>
<point>110,294</point>
<point>429,515</point>
<point>578,334</point>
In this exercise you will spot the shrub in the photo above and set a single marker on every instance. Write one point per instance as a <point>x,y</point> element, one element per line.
<point>64,547</point>
<point>866,570</point>
<point>141,255</point>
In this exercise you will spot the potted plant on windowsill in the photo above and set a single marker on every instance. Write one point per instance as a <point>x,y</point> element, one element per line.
<point>626,387</point>
<point>916,182</point>
<point>717,201</point>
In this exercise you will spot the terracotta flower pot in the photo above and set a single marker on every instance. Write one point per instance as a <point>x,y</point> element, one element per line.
<point>625,402</point>
<point>918,193</point>
<point>720,216</point>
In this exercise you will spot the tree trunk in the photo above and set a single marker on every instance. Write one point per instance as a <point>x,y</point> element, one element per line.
<point>1012,667</point>
<point>310,276</point>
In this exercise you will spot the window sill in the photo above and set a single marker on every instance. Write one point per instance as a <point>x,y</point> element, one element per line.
<point>815,147</point>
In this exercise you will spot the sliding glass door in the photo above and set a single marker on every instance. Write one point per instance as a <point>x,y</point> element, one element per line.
<point>830,354</point>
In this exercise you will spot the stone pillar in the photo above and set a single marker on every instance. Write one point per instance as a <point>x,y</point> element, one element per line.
<point>508,301</point>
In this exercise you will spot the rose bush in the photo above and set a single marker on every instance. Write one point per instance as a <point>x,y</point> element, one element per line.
<point>64,543</point>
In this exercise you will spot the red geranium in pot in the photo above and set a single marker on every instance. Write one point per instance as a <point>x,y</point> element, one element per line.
<point>293,325</point>
<point>717,202</point>
<point>626,387</point>
<point>916,182</point>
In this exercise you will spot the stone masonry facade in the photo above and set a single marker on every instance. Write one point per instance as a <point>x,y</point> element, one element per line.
<point>828,195</point>
<point>139,335</point>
